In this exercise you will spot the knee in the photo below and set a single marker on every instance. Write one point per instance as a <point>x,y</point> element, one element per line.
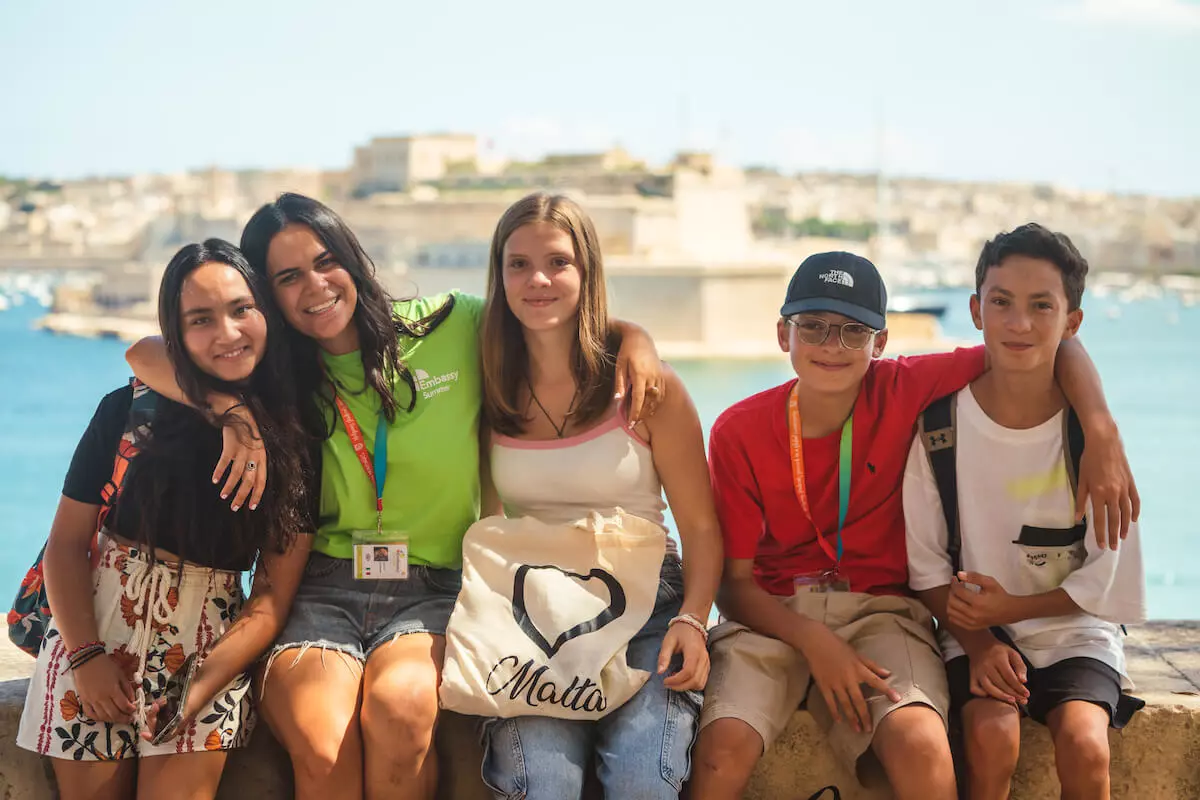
<point>993,742</point>
<point>318,749</point>
<point>400,715</point>
<point>1081,753</point>
<point>727,748</point>
<point>914,735</point>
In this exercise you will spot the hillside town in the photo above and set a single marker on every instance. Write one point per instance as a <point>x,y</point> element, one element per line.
<point>695,233</point>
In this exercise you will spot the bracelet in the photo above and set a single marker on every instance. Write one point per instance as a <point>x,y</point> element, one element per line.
<point>85,646</point>
<point>83,654</point>
<point>86,657</point>
<point>693,621</point>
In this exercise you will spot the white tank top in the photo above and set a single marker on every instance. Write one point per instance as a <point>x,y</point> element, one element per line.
<point>562,480</point>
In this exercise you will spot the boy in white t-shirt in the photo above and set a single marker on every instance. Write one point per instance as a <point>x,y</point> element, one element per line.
<point>1030,622</point>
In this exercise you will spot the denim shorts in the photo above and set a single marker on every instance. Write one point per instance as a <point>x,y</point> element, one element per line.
<point>642,749</point>
<point>334,611</point>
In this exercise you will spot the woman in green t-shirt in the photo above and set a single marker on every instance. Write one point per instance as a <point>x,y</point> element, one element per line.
<point>381,583</point>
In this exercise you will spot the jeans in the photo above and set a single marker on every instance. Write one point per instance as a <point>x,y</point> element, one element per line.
<point>642,750</point>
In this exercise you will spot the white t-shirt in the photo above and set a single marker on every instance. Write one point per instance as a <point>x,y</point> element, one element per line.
<point>1016,515</point>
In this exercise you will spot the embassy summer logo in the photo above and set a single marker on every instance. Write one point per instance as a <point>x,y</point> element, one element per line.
<point>432,385</point>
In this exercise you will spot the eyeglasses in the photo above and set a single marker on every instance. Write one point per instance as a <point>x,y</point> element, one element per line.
<point>815,331</point>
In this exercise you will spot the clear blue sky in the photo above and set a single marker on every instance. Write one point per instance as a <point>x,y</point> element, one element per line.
<point>1092,93</point>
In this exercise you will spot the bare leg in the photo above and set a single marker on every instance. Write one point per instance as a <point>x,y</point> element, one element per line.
<point>912,745</point>
<point>186,776</point>
<point>1080,733</point>
<point>399,711</point>
<point>992,733</point>
<point>95,780</point>
<point>312,707</point>
<point>724,759</point>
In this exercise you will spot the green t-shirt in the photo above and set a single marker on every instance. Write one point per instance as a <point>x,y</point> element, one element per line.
<point>431,493</point>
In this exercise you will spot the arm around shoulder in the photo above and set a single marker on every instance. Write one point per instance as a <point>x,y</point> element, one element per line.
<point>677,445</point>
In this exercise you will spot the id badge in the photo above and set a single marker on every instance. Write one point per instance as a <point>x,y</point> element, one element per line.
<point>380,555</point>
<point>826,580</point>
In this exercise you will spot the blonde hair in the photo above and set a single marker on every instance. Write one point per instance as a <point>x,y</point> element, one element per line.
<point>505,359</point>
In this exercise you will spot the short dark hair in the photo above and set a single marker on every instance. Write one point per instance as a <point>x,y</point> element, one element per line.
<point>1036,241</point>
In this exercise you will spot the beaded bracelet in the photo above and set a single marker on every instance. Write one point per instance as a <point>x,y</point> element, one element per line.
<point>693,621</point>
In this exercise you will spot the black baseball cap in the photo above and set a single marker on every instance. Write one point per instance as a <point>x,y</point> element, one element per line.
<point>839,282</point>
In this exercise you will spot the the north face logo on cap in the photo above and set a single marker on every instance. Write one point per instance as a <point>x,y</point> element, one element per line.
<point>838,276</point>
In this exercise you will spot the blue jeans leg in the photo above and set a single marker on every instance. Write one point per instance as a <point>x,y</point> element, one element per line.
<point>536,758</point>
<point>643,749</point>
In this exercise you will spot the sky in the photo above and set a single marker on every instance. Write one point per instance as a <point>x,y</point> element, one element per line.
<point>1097,94</point>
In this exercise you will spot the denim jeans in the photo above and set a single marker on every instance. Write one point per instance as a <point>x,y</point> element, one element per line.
<point>642,750</point>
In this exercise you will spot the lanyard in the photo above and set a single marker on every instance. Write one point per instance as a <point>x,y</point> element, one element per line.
<point>377,474</point>
<point>845,450</point>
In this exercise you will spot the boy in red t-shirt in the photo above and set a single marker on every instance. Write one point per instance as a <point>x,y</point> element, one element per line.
<point>807,479</point>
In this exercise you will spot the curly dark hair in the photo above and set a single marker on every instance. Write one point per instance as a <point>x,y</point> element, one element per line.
<point>1036,241</point>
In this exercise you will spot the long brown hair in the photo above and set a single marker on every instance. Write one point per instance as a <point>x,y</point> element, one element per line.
<point>505,359</point>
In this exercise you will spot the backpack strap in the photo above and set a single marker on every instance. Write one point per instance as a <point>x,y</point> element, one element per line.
<point>1072,447</point>
<point>137,426</point>
<point>937,431</point>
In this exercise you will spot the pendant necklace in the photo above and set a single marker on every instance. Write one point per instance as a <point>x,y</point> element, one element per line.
<point>561,430</point>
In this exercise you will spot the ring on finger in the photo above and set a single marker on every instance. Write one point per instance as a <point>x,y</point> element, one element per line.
<point>652,389</point>
<point>251,466</point>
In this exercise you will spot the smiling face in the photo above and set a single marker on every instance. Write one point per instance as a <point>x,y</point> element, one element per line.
<point>1022,310</point>
<point>542,277</point>
<point>315,293</point>
<point>223,331</point>
<point>828,367</point>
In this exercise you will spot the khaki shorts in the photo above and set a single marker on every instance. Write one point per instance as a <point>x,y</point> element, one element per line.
<point>762,681</point>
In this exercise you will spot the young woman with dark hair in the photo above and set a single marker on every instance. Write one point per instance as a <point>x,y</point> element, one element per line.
<point>142,678</point>
<point>393,390</point>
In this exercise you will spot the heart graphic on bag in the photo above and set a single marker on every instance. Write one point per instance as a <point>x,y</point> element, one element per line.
<point>523,617</point>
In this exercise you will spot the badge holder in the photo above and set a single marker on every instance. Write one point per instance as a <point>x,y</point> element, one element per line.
<point>826,580</point>
<point>380,555</point>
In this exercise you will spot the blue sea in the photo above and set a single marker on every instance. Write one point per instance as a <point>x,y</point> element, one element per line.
<point>1144,350</point>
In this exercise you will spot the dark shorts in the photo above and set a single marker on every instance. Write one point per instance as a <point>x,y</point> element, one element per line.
<point>334,611</point>
<point>1049,687</point>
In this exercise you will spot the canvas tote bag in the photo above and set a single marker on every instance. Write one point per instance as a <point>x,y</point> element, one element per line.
<point>545,614</point>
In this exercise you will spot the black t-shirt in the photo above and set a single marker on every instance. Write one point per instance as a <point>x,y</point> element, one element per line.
<point>190,453</point>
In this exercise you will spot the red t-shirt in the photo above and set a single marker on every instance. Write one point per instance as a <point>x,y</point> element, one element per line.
<point>752,476</point>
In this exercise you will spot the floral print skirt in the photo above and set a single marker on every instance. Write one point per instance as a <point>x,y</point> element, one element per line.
<point>151,617</point>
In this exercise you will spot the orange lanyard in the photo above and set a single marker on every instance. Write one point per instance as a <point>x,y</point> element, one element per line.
<point>845,451</point>
<point>378,473</point>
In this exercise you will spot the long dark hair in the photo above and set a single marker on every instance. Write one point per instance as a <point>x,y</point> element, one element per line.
<point>270,396</point>
<point>378,325</point>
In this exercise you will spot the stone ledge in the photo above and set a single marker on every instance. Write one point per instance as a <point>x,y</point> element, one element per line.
<point>1157,755</point>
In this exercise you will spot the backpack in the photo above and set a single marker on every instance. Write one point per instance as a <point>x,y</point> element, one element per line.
<point>937,432</point>
<point>29,616</point>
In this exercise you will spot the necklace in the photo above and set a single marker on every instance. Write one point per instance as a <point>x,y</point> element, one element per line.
<point>561,430</point>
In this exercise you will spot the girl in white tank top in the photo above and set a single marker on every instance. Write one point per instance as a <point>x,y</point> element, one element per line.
<point>560,448</point>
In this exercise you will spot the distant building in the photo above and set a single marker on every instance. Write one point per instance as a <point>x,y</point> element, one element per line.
<point>396,163</point>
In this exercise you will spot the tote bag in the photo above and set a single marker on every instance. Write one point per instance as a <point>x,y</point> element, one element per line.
<point>546,613</point>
